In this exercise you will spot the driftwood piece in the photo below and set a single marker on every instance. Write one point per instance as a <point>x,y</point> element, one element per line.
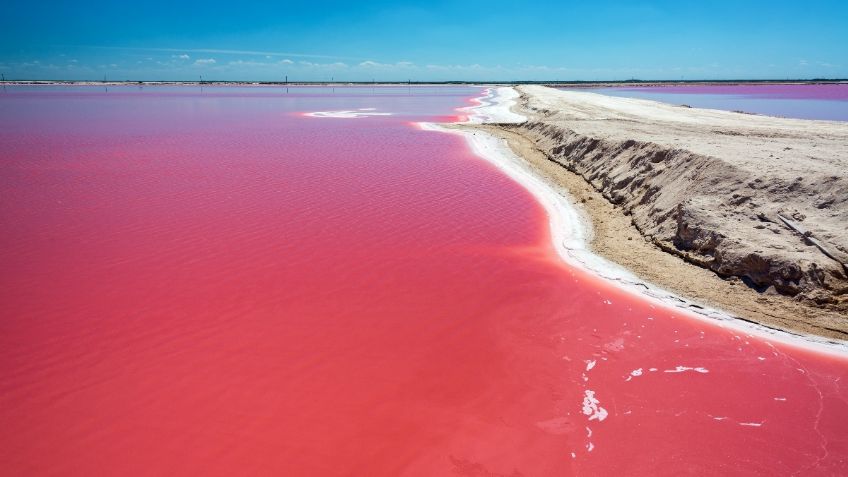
<point>808,237</point>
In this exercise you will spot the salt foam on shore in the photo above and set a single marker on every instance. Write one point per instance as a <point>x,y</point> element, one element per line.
<point>571,230</point>
<point>495,106</point>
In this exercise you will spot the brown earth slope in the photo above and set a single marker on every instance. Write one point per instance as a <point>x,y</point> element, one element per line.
<point>758,198</point>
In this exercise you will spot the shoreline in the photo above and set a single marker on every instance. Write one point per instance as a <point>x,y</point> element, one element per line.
<point>584,239</point>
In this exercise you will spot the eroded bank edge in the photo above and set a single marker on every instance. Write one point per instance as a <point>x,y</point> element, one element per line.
<point>571,228</point>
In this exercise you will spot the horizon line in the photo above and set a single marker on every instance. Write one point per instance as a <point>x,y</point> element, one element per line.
<point>368,82</point>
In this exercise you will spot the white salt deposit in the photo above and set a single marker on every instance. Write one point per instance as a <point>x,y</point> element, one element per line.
<point>592,408</point>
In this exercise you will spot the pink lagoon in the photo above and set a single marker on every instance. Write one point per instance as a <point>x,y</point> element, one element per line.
<point>218,282</point>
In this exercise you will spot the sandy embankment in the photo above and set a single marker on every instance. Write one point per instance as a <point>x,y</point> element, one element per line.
<point>707,204</point>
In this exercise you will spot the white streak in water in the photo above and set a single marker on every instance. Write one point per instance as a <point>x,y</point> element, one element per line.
<point>682,369</point>
<point>362,113</point>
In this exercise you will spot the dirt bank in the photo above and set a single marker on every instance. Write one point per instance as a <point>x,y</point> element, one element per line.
<point>747,213</point>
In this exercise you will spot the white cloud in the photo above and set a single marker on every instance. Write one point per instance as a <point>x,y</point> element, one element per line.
<point>375,64</point>
<point>205,61</point>
<point>331,66</point>
<point>478,67</point>
<point>286,62</point>
<point>181,57</point>
<point>248,63</point>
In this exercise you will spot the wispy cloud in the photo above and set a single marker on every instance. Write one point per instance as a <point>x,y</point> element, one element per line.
<point>375,64</point>
<point>220,51</point>
<point>204,61</point>
<point>336,65</point>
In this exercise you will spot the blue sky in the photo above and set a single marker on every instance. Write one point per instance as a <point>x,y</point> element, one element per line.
<point>433,40</point>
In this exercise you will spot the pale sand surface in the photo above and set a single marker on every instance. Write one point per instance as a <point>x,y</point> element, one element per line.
<point>710,187</point>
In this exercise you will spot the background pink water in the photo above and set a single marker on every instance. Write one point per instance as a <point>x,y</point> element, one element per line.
<point>803,101</point>
<point>835,92</point>
<point>214,284</point>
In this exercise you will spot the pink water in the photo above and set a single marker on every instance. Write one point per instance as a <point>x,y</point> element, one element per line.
<point>803,101</point>
<point>215,284</point>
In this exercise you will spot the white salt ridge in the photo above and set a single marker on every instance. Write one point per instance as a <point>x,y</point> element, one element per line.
<point>571,230</point>
<point>592,408</point>
<point>590,364</point>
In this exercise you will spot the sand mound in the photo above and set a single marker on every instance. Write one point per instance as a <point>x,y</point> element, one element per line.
<point>760,198</point>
